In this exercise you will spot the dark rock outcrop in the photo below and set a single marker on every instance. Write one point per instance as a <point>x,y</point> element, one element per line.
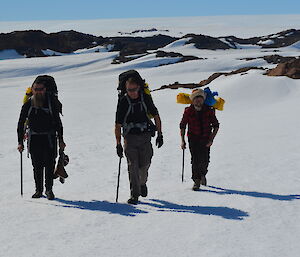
<point>281,39</point>
<point>32,42</point>
<point>206,42</point>
<point>290,69</point>
<point>205,82</point>
<point>273,59</point>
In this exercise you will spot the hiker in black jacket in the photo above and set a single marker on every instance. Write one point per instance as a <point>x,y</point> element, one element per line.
<point>132,116</point>
<point>44,127</point>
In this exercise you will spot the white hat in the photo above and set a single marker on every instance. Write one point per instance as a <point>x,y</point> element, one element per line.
<point>196,93</point>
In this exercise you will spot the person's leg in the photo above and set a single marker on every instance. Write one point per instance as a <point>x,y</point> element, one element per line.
<point>195,159</point>
<point>145,156</point>
<point>131,152</point>
<point>36,155</point>
<point>49,158</point>
<point>204,162</point>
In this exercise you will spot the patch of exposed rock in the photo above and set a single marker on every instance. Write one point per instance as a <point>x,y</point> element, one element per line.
<point>290,69</point>
<point>205,82</point>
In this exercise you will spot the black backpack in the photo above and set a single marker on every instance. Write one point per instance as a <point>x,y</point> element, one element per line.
<point>123,77</point>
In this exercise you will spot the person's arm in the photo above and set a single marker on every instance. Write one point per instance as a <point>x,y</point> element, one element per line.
<point>59,128</point>
<point>212,136</point>
<point>157,122</point>
<point>118,133</point>
<point>215,124</point>
<point>21,126</point>
<point>182,134</point>
<point>182,126</point>
<point>118,140</point>
<point>120,114</point>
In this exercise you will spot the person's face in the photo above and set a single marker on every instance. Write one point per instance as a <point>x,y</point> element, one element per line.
<point>132,90</point>
<point>38,89</point>
<point>198,101</point>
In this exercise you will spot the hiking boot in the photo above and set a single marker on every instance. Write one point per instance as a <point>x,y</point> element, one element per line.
<point>203,180</point>
<point>133,200</point>
<point>144,190</point>
<point>196,185</point>
<point>37,194</point>
<point>50,195</point>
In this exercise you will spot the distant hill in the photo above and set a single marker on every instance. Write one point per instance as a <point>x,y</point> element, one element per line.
<point>35,43</point>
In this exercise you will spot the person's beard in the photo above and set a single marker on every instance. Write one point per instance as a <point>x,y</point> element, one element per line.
<point>198,107</point>
<point>38,100</point>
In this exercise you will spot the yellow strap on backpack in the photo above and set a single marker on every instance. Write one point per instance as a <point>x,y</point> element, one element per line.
<point>27,95</point>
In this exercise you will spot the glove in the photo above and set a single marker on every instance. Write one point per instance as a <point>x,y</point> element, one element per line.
<point>119,150</point>
<point>159,140</point>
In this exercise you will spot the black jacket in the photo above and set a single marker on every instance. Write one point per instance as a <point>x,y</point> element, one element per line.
<point>40,120</point>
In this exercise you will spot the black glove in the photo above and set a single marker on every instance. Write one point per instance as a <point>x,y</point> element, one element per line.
<point>159,140</point>
<point>119,150</point>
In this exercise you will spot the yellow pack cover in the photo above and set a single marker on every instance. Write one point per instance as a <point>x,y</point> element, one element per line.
<point>146,89</point>
<point>183,98</point>
<point>219,105</point>
<point>27,95</point>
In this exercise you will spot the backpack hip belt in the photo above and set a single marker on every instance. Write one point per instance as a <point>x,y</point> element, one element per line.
<point>48,133</point>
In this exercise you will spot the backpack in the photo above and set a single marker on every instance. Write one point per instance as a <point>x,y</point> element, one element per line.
<point>51,90</point>
<point>123,77</point>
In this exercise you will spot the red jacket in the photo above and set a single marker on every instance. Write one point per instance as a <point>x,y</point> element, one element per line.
<point>200,123</point>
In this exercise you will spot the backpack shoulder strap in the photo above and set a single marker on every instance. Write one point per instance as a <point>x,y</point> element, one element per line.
<point>143,103</point>
<point>129,108</point>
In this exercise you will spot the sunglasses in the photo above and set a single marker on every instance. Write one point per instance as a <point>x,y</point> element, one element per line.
<point>132,89</point>
<point>39,89</point>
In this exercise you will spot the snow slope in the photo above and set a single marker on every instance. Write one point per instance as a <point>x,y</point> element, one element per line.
<point>249,208</point>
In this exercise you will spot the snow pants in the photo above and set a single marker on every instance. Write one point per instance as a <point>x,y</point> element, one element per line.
<point>43,155</point>
<point>138,150</point>
<point>200,155</point>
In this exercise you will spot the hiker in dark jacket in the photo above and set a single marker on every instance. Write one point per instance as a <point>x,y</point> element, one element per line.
<point>131,115</point>
<point>202,129</point>
<point>44,127</point>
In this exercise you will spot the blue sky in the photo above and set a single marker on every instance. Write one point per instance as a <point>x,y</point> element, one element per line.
<point>22,10</point>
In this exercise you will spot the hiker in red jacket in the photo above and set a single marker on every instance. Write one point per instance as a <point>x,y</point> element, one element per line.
<point>202,129</point>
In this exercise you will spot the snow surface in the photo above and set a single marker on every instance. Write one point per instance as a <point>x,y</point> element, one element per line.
<point>249,208</point>
<point>266,42</point>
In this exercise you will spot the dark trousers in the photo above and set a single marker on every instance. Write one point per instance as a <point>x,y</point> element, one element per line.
<point>43,154</point>
<point>138,150</point>
<point>200,157</point>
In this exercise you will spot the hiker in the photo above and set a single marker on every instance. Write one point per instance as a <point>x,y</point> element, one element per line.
<point>44,127</point>
<point>202,129</point>
<point>132,116</point>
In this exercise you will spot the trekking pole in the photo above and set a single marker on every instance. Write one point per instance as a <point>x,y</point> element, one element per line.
<point>118,184</point>
<point>182,174</point>
<point>21,157</point>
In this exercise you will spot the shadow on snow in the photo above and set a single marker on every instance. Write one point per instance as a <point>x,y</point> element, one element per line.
<point>104,206</point>
<point>223,191</point>
<point>224,212</point>
<point>160,205</point>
